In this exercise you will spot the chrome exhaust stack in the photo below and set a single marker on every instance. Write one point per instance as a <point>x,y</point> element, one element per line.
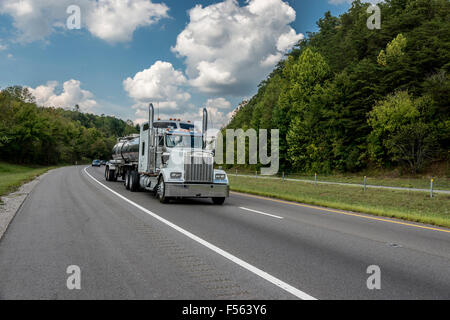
<point>204,127</point>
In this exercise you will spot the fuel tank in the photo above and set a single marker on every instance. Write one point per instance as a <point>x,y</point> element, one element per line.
<point>127,150</point>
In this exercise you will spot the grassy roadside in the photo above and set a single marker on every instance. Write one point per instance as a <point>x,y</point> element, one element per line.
<point>418,182</point>
<point>412,206</point>
<point>12,176</point>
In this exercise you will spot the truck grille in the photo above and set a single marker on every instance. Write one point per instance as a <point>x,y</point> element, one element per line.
<point>198,168</point>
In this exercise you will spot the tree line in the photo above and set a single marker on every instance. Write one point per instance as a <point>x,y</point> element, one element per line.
<point>348,98</point>
<point>30,134</point>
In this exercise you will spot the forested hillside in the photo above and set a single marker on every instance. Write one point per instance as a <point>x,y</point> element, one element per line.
<point>38,135</point>
<point>348,98</point>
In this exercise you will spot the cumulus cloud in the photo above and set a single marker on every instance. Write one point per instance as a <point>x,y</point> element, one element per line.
<point>228,49</point>
<point>71,95</point>
<point>160,83</point>
<point>165,86</point>
<point>219,103</point>
<point>116,20</point>
<point>218,118</point>
<point>110,20</point>
<point>219,112</point>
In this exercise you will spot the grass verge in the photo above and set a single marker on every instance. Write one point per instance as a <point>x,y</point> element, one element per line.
<point>12,176</point>
<point>412,206</point>
<point>418,182</point>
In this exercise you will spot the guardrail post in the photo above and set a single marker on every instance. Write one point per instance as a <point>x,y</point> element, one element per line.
<point>365,183</point>
<point>283,175</point>
<point>431,188</point>
<point>315,178</point>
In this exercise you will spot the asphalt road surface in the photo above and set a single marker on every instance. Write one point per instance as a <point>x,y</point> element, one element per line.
<point>130,246</point>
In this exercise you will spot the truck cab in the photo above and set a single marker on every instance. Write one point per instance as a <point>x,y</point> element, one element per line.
<point>176,155</point>
<point>169,158</point>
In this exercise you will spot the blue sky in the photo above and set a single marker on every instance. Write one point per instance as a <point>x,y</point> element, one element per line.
<point>36,50</point>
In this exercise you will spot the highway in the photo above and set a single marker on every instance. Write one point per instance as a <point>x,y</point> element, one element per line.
<point>130,246</point>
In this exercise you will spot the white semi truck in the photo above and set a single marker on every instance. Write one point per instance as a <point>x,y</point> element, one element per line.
<point>170,159</point>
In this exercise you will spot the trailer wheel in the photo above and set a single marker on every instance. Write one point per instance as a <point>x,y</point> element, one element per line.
<point>112,175</point>
<point>134,181</point>
<point>218,201</point>
<point>127,180</point>
<point>162,191</point>
<point>107,174</point>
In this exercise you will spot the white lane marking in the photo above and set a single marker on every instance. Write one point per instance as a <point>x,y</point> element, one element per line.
<point>279,283</point>
<point>260,212</point>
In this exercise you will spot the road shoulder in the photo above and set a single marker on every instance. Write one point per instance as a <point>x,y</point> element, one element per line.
<point>11,203</point>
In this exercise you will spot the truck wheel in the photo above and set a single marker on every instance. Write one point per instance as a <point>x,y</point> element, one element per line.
<point>162,191</point>
<point>134,181</point>
<point>218,201</point>
<point>127,180</point>
<point>112,175</point>
<point>107,174</point>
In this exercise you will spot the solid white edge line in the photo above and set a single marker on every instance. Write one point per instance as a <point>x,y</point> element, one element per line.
<point>260,212</point>
<point>279,283</point>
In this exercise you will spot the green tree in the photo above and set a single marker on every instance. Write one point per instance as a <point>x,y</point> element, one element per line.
<point>400,132</point>
<point>305,97</point>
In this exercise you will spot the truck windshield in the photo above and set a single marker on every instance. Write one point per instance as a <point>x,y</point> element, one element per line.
<point>186,126</point>
<point>183,141</point>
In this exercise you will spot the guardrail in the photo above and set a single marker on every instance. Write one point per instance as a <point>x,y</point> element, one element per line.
<point>364,184</point>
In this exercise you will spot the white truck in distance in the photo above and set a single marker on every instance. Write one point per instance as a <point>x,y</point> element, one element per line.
<point>170,159</point>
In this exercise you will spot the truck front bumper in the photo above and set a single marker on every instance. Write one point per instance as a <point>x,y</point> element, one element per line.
<point>181,190</point>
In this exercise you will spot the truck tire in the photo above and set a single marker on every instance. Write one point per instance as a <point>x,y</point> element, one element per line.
<point>112,175</point>
<point>127,180</point>
<point>134,181</point>
<point>161,192</point>
<point>218,201</point>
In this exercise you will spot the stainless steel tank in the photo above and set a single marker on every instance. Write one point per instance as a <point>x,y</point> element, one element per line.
<point>127,150</point>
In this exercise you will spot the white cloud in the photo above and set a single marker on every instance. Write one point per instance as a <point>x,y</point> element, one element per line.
<point>71,95</point>
<point>219,103</point>
<point>3,47</point>
<point>110,20</point>
<point>160,83</point>
<point>229,48</point>
<point>140,121</point>
<point>217,118</point>
<point>116,20</point>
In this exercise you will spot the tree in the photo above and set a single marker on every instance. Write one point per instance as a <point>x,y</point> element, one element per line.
<point>37,135</point>
<point>394,50</point>
<point>326,120</point>
<point>400,131</point>
<point>304,137</point>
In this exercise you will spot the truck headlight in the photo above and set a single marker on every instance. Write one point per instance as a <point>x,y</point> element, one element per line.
<point>220,176</point>
<point>176,175</point>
